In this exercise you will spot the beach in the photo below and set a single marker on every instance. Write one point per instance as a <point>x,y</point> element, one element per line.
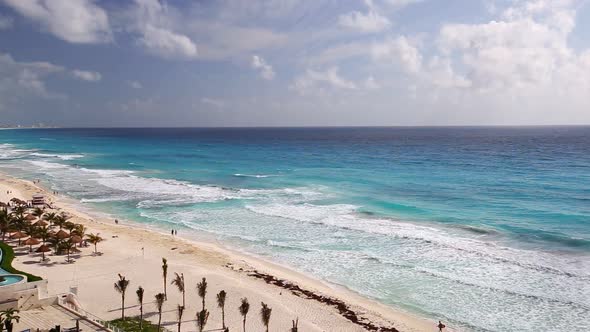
<point>137,254</point>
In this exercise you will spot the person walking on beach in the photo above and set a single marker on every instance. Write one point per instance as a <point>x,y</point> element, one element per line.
<point>440,326</point>
<point>172,232</point>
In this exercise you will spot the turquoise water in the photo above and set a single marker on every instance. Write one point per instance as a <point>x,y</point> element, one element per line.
<point>485,228</point>
<point>8,278</point>
<point>11,279</point>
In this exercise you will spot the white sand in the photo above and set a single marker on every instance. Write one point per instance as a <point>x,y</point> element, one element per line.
<point>94,277</point>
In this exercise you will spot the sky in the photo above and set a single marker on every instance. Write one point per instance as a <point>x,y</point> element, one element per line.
<point>150,63</point>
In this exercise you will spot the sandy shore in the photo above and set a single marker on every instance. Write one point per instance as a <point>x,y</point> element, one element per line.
<point>291,295</point>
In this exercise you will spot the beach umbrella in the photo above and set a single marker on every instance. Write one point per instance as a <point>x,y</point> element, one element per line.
<point>62,234</point>
<point>31,242</point>
<point>76,239</point>
<point>41,223</point>
<point>43,249</point>
<point>18,235</point>
<point>30,217</point>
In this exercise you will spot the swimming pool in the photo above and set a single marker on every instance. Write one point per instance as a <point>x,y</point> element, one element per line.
<point>7,278</point>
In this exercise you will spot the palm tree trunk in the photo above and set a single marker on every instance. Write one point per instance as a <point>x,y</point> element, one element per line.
<point>244,324</point>
<point>122,307</point>
<point>203,303</point>
<point>183,298</point>
<point>95,251</point>
<point>141,316</point>
<point>165,294</point>
<point>223,317</point>
<point>159,320</point>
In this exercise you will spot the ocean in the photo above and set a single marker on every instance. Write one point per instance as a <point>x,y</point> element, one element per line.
<point>486,228</point>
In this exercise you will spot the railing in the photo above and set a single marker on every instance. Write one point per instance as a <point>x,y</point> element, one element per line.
<point>87,315</point>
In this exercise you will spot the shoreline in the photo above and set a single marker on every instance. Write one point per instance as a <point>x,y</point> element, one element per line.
<point>342,309</point>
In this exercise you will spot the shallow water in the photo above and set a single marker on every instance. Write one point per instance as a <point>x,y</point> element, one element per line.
<point>487,228</point>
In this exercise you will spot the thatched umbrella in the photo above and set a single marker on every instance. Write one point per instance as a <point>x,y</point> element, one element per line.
<point>62,234</point>
<point>31,242</point>
<point>18,235</point>
<point>30,217</point>
<point>76,239</point>
<point>41,223</point>
<point>43,249</point>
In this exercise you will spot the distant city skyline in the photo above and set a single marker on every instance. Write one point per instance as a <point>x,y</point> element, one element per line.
<point>149,63</point>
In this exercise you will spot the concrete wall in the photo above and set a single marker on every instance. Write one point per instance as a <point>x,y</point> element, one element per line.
<point>25,296</point>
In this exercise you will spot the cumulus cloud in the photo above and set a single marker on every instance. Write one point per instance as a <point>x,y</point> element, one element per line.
<point>213,102</point>
<point>371,84</point>
<point>266,71</point>
<point>372,21</point>
<point>135,84</point>
<point>75,21</point>
<point>25,78</point>
<point>400,51</point>
<point>6,22</point>
<point>90,76</point>
<point>154,21</point>
<point>167,43</point>
<point>527,47</point>
<point>316,81</point>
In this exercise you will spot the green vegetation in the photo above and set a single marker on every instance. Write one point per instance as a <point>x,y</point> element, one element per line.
<point>7,257</point>
<point>133,325</point>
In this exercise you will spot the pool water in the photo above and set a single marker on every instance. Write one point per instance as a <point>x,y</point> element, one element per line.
<point>8,279</point>
<point>11,279</point>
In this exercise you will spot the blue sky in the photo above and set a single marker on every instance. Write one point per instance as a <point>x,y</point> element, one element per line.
<point>294,63</point>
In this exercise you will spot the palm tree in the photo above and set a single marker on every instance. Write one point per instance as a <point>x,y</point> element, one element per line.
<point>37,212</point>
<point>121,287</point>
<point>70,226</point>
<point>44,234</point>
<point>68,245</point>
<point>5,221</point>
<point>50,217</point>
<point>179,313</point>
<point>94,239</point>
<point>59,220</point>
<point>221,303</point>
<point>244,308</point>
<point>265,312</point>
<point>202,317</point>
<point>202,289</point>
<point>160,298</point>
<point>139,293</point>
<point>179,282</point>
<point>7,316</point>
<point>165,274</point>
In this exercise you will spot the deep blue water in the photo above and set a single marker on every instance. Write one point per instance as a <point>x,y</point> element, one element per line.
<point>487,228</point>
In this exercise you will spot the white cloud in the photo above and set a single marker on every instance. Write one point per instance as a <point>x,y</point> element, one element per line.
<point>6,22</point>
<point>399,51</point>
<point>25,78</point>
<point>167,43</point>
<point>155,22</point>
<point>315,81</point>
<point>90,76</point>
<point>135,84</point>
<point>213,102</point>
<point>402,3</point>
<point>75,21</point>
<point>371,84</point>
<point>372,21</point>
<point>526,48</point>
<point>266,70</point>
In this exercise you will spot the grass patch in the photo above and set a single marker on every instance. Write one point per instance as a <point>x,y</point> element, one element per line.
<point>6,263</point>
<point>131,324</point>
